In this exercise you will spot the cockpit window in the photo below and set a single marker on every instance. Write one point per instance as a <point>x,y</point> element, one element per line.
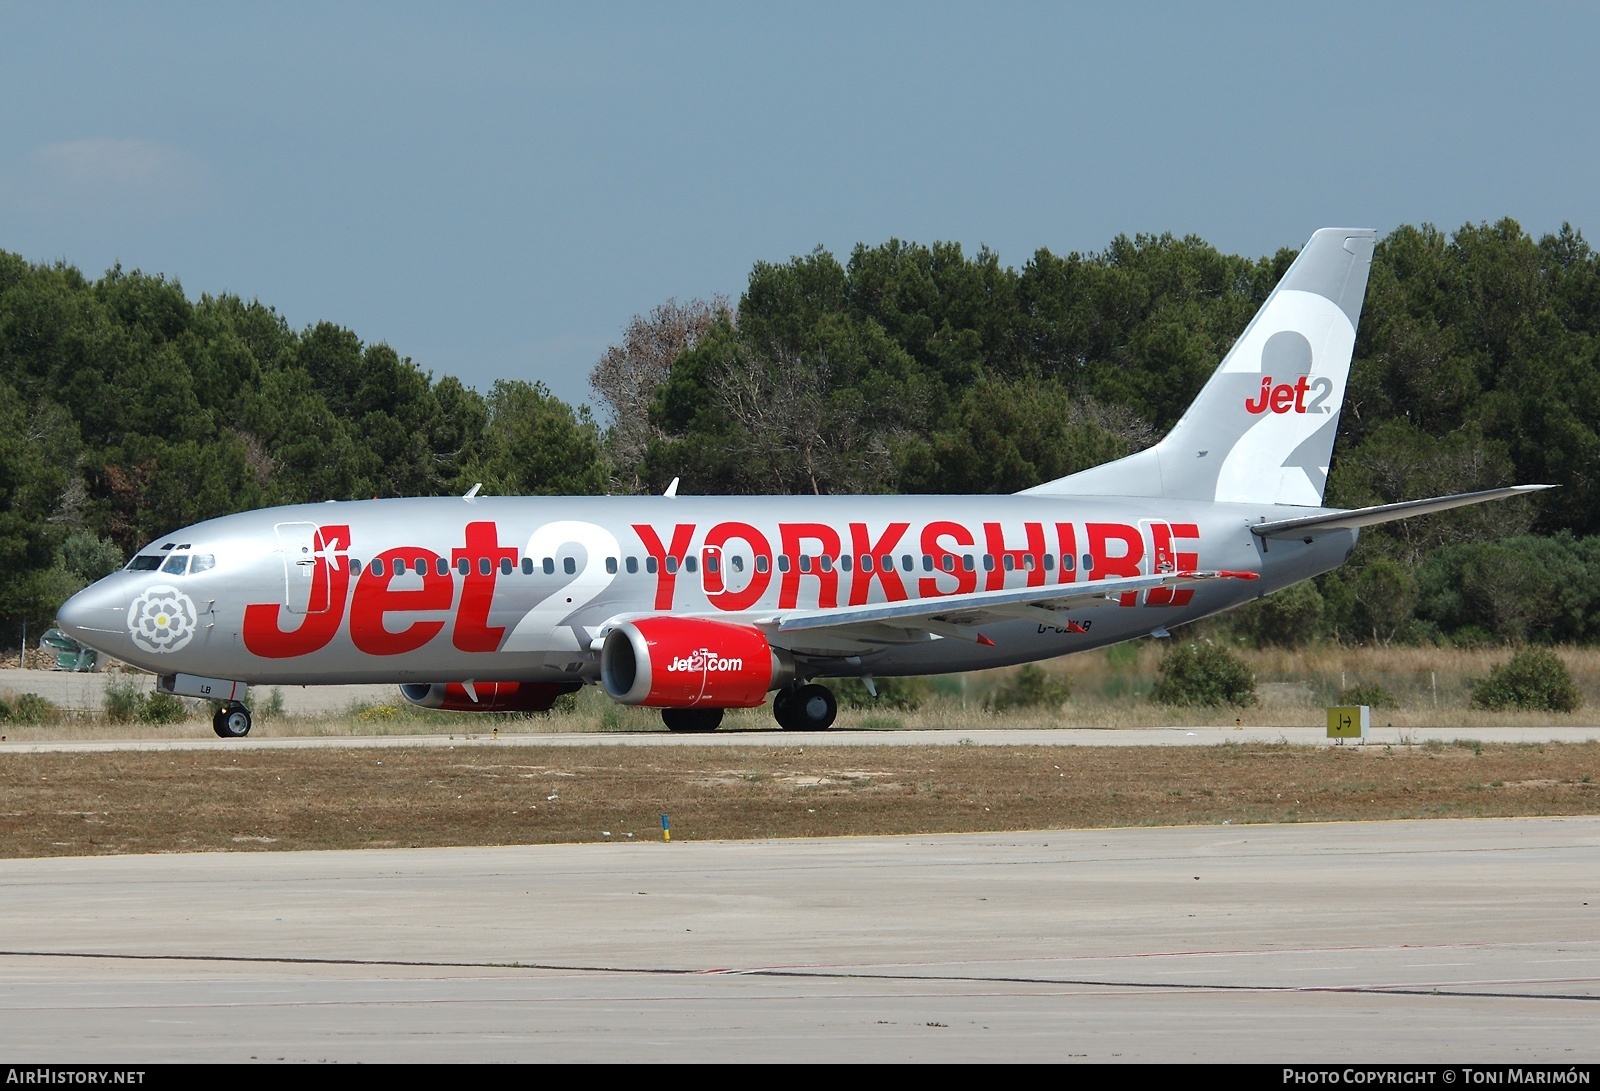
<point>176,564</point>
<point>203,562</point>
<point>144,564</point>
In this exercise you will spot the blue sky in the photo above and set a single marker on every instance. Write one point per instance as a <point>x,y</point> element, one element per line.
<point>495,190</point>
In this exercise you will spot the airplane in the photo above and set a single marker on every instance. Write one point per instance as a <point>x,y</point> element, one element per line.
<point>694,605</point>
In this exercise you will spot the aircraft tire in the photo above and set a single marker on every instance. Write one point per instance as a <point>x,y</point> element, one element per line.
<point>231,722</point>
<point>806,708</point>
<point>691,719</point>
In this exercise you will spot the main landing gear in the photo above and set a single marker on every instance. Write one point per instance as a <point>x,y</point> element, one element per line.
<point>231,721</point>
<point>691,719</point>
<point>805,708</point>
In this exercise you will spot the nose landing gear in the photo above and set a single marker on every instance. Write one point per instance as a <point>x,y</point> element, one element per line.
<point>805,708</point>
<point>231,721</point>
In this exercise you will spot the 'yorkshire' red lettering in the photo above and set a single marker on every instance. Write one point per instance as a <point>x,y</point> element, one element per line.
<point>717,539</point>
<point>794,534</point>
<point>1123,563</point>
<point>870,566</point>
<point>1030,560</point>
<point>666,581</point>
<point>945,561</point>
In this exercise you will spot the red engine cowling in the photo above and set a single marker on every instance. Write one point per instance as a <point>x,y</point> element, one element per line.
<point>492,696</point>
<point>675,662</point>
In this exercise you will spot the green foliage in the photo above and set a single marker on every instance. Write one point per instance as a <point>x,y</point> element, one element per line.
<point>123,702</point>
<point>1534,679</point>
<point>29,708</point>
<point>162,708</point>
<point>1368,693</point>
<point>271,708</point>
<point>905,694</point>
<point>126,703</point>
<point>1030,687</point>
<point>1203,674</point>
<point>1289,618</point>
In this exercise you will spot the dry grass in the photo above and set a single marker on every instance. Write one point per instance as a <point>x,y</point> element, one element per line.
<point>184,801</point>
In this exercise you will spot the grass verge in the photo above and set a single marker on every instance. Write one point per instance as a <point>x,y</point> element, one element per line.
<point>187,801</point>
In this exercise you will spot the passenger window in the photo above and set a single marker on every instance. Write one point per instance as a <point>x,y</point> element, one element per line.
<point>484,567</point>
<point>763,565</point>
<point>377,566</point>
<point>1027,562</point>
<point>844,563</point>
<point>712,567</point>
<point>1049,562</point>
<point>738,563</point>
<point>464,566</point>
<point>927,562</point>
<point>568,565</point>
<point>690,564</point>
<point>886,564</point>
<point>549,566</point>
<point>633,565</point>
<point>527,566</point>
<point>176,564</point>
<point>966,562</point>
<point>905,561</point>
<point>866,562</point>
<point>988,562</point>
<point>1067,564</point>
<point>783,562</point>
<point>399,566</point>
<point>650,565</point>
<point>1088,563</point>
<point>672,566</point>
<point>947,562</point>
<point>203,562</point>
<point>355,567</point>
<point>1010,562</point>
<point>505,566</point>
<point>805,563</point>
<point>611,565</point>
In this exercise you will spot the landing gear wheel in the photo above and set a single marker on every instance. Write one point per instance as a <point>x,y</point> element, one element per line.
<point>805,708</point>
<point>691,719</point>
<point>231,721</point>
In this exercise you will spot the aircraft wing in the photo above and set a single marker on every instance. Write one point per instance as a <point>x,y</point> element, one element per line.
<point>853,628</point>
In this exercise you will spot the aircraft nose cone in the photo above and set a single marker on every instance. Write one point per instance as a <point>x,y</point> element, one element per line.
<point>93,613</point>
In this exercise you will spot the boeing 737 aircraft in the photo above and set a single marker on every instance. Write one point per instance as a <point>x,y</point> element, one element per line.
<point>693,605</point>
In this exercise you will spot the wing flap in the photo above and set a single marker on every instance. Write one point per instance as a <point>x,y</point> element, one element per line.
<point>957,616</point>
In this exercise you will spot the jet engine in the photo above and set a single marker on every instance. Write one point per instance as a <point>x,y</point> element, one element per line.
<point>672,662</point>
<point>491,696</point>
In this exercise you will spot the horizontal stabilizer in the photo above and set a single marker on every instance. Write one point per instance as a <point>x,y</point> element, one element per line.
<point>1355,518</point>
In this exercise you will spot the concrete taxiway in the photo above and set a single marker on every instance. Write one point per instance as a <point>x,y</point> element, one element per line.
<point>1129,736</point>
<point>1447,941</point>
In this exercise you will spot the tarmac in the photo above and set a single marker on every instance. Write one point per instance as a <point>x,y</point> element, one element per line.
<point>1451,942</point>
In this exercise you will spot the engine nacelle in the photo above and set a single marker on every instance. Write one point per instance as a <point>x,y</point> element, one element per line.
<point>492,696</point>
<point>676,662</point>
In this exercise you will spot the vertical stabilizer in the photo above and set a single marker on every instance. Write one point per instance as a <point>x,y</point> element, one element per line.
<point>1262,428</point>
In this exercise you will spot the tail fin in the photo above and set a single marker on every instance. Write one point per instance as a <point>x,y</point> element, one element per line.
<point>1262,428</point>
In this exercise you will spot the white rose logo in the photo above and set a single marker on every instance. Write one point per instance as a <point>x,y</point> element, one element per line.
<point>162,619</point>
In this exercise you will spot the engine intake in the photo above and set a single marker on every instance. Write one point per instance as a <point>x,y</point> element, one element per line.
<point>672,662</point>
<point>492,696</point>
